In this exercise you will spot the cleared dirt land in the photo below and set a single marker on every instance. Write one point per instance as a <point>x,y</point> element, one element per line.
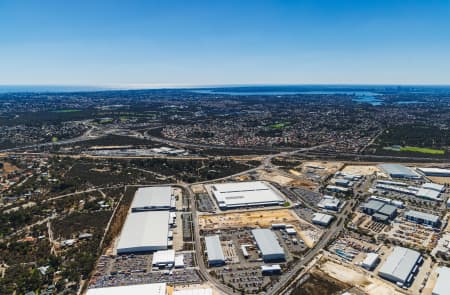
<point>361,169</point>
<point>263,219</point>
<point>318,283</point>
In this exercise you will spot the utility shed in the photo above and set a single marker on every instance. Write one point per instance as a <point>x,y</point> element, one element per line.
<point>143,289</point>
<point>153,198</point>
<point>268,245</point>
<point>401,266</point>
<point>371,261</point>
<point>144,232</point>
<point>442,286</point>
<point>214,250</point>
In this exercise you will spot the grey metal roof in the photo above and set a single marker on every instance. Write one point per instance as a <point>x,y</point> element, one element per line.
<point>380,216</point>
<point>214,248</point>
<point>267,242</point>
<point>144,231</point>
<point>400,263</point>
<point>387,210</point>
<point>398,170</point>
<point>443,281</point>
<point>422,215</point>
<point>152,198</point>
<point>373,205</point>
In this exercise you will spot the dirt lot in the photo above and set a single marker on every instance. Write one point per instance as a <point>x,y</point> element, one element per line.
<point>264,219</point>
<point>360,169</point>
<point>8,168</point>
<point>347,274</point>
<point>328,167</point>
<point>275,177</point>
<point>440,180</point>
<point>319,283</point>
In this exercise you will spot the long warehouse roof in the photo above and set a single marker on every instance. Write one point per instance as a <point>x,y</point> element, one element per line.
<point>267,241</point>
<point>399,170</point>
<point>443,281</point>
<point>143,230</point>
<point>400,263</point>
<point>152,197</point>
<point>144,289</point>
<point>422,215</point>
<point>245,193</point>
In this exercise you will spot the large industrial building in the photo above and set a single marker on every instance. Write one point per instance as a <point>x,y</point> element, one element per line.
<point>245,194</point>
<point>401,266</point>
<point>329,203</point>
<point>442,286</point>
<point>380,211</point>
<point>143,289</point>
<point>153,198</point>
<point>267,242</point>
<point>371,261</point>
<point>145,232</point>
<point>422,218</point>
<point>399,171</point>
<point>434,172</point>
<point>214,251</point>
<point>164,258</point>
<point>322,219</point>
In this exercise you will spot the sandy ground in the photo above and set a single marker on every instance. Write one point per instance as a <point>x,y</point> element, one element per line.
<point>440,180</point>
<point>170,290</point>
<point>372,286</point>
<point>274,177</point>
<point>329,167</point>
<point>8,168</point>
<point>198,189</point>
<point>361,169</point>
<point>263,219</point>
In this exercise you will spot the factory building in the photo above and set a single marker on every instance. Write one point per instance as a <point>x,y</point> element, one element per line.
<point>329,203</point>
<point>268,244</point>
<point>143,289</point>
<point>396,203</point>
<point>399,171</point>
<point>337,189</point>
<point>145,231</point>
<point>442,285</point>
<point>246,194</point>
<point>214,251</point>
<point>422,218</point>
<point>268,270</point>
<point>322,219</point>
<point>434,172</point>
<point>434,186</point>
<point>343,182</point>
<point>379,210</point>
<point>153,198</point>
<point>371,261</point>
<point>401,266</point>
<point>428,194</point>
<point>164,258</point>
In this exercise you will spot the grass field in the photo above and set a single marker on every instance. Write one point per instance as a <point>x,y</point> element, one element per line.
<point>422,150</point>
<point>66,111</point>
<point>279,125</point>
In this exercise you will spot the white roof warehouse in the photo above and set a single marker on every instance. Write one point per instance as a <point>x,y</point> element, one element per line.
<point>144,231</point>
<point>243,194</point>
<point>153,198</point>
<point>401,266</point>
<point>268,244</point>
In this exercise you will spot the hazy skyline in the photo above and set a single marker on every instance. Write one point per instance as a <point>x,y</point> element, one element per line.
<point>183,43</point>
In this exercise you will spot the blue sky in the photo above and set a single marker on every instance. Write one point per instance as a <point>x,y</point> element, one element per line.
<point>167,42</point>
